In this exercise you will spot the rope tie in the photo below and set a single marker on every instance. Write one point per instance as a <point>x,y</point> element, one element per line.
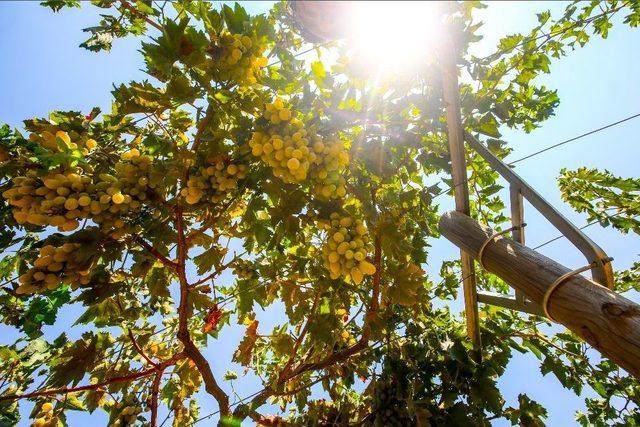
<point>562,279</point>
<point>492,239</point>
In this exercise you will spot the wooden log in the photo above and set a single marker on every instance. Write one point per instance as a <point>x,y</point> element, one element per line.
<point>601,317</point>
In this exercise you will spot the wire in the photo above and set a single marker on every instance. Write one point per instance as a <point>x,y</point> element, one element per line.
<point>311,49</point>
<point>581,228</point>
<point>591,132</point>
<point>232,405</point>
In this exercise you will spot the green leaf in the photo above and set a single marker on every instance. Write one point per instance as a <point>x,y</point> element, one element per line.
<point>104,313</point>
<point>57,5</point>
<point>79,358</point>
<point>489,126</point>
<point>318,71</point>
<point>406,281</point>
<point>139,98</point>
<point>209,258</point>
<point>235,18</point>
<point>43,310</point>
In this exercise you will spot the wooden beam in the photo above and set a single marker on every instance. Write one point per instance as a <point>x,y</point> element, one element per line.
<point>601,317</point>
<point>455,136</point>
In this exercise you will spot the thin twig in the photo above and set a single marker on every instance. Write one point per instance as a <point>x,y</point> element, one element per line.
<point>139,350</point>
<point>66,390</point>
<point>139,14</point>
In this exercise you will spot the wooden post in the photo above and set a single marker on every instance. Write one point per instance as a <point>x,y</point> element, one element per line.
<point>601,317</point>
<point>517,219</point>
<point>455,135</point>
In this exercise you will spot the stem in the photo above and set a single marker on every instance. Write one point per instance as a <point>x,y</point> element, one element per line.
<point>139,350</point>
<point>296,345</point>
<point>66,390</point>
<point>208,115</point>
<point>217,272</point>
<point>153,251</point>
<point>362,344</point>
<point>155,388</point>
<point>208,223</point>
<point>377,261</point>
<point>190,349</point>
<point>139,14</point>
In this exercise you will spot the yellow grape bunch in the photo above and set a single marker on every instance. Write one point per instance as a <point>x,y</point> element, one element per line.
<point>57,198</point>
<point>55,266</point>
<point>214,181</point>
<point>294,151</point>
<point>346,247</point>
<point>58,140</point>
<point>238,58</point>
<point>122,194</point>
<point>127,415</point>
<point>46,416</point>
<point>60,198</point>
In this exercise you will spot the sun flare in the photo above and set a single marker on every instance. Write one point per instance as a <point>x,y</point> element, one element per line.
<point>393,36</point>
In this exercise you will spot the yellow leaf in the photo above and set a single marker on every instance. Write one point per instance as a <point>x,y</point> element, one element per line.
<point>245,349</point>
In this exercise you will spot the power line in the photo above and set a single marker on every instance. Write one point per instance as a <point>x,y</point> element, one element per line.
<point>591,132</point>
<point>581,228</point>
<point>559,144</point>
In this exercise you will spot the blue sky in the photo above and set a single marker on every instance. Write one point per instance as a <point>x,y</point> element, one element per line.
<point>43,69</point>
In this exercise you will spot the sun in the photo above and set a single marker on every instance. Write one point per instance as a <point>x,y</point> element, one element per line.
<point>393,36</point>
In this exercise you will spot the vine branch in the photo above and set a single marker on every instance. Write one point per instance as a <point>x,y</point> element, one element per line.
<point>211,385</point>
<point>153,251</point>
<point>124,378</point>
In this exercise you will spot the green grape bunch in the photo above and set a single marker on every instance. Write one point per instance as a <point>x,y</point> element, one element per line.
<point>389,406</point>
<point>329,166</point>
<point>295,151</point>
<point>345,250</point>
<point>284,146</point>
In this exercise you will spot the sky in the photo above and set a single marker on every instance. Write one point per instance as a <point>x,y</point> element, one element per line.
<point>43,69</point>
